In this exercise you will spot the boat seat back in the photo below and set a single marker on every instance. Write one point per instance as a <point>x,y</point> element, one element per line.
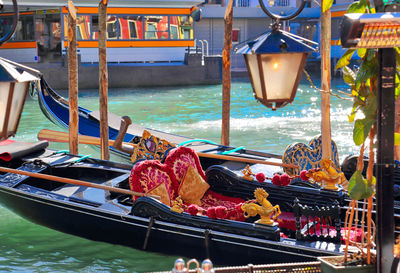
<point>179,160</point>
<point>151,147</point>
<point>308,156</point>
<point>322,223</point>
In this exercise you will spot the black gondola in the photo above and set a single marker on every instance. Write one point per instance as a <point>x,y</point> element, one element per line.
<point>145,224</point>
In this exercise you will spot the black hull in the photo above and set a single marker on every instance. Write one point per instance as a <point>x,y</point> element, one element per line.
<point>166,238</point>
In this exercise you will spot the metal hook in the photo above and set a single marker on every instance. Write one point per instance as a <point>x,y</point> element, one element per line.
<point>283,18</point>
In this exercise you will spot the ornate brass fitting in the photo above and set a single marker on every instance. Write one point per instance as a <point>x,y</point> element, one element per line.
<point>267,212</point>
<point>177,205</point>
<point>247,173</point>
<point>328,177</point>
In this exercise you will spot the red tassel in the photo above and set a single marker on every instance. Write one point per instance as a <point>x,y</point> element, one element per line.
<point>276,179</point>
<point>193,209</point>
<point>221,212</point>
<point>285,179</point>
<point>303,175</point>
<point>260,177</point>
<point>211,212</point>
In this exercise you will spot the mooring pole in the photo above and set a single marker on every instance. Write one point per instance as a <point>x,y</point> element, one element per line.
<point>226,74</point>
<point>326,82</point>
<point>72,80</point>
<point>385,159</point>
<point>103,80</point>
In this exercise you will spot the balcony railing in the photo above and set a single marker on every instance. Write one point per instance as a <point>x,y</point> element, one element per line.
<point>241,3</point>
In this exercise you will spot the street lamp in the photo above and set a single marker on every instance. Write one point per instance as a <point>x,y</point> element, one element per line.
<point>14,85</point>
<point>275,61</point>
<point>381,31</point>
<point>370,30</point>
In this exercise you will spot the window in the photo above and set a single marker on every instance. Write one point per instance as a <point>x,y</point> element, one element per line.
<point>83,31</point>
<point>25,29</point>
<point>95,27</point>
<point>235,35</point>
<point>156,27</point>
<point>134,27</point>
<point>112,28</point>
<point>181,27</point>
<point>5,24</point>
<point>131,27</point>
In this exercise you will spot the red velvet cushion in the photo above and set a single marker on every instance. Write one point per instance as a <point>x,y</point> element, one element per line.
<point>180,158</point>
<point>147,175</point>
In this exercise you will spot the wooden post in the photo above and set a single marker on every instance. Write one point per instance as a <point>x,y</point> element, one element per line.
<point>103,80</point>
<point>384,159</point>
<point>72,80</point>
<point>226,74</point>
<point>397,128</point>
<point>326,82</point>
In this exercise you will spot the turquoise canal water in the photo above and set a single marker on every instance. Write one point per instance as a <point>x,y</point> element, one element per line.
<point>192,111</point>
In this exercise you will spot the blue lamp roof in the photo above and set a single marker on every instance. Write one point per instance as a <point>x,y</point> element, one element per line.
<point>14,72</point>
<point>275,42</point>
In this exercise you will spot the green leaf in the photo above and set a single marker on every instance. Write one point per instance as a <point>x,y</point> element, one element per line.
<point>396,139</point>
<point>368,69</point>
<point>359,188</point>
<point>349,76</point>
<point>357,7</point>
<point>397,85</point>
<point>345,59</point>
<point>361,52</point>
<point>369,109</point>
<point>361,130</point>
<point>351,117</point>
<point>397,55</point>
<point>326,5</point>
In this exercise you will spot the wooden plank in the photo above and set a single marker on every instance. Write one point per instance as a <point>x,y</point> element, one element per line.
<point>72,80</point>
<point>226,74</point>
<point>103,80</point>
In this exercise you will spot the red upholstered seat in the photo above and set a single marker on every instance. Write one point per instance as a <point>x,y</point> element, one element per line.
<point>153,177</point>
<point>179,160</point>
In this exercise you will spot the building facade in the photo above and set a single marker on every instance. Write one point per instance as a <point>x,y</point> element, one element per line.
<point>249,21</point>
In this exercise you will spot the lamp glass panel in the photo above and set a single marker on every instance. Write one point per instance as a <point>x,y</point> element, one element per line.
<point>280,74</point>
<point>255,74</point>
<point>4,92</point>
<point>17,104</point>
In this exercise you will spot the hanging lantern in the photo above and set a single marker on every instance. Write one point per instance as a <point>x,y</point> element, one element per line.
<point>275,62</point>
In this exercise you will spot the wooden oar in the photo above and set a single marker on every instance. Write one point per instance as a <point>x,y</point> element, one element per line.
<point>57,136</point>
<point>76,182</point>
<point>247,160</point>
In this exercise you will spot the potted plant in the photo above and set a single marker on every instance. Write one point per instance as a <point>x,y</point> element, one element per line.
<point>363,81</point>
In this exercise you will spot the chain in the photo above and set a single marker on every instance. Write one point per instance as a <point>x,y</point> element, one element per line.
<point>329,92</point>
